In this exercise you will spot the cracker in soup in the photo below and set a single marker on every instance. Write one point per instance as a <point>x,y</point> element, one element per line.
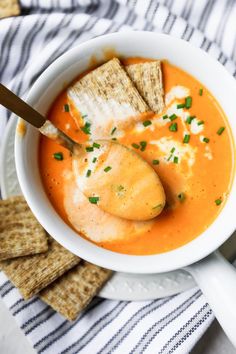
<point>148,79</point>
<point>105,97</point>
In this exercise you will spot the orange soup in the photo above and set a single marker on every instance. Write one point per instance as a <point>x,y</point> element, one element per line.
<point>189,144</point>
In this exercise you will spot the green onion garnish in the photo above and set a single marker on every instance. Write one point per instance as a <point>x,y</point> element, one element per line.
<point>58,156</point>
<point>66,108</point>
<point>143,145</point>
<point>181,197</point>
<point>176,159</point>
<point>173,127</point>
<point>155,162</point>
<point>190,119</point>
<point>146,123</point>
<point>220,130</point>
<point>200,91</point>
<point>94,159</point>
<point>96,145</point>
<point>165,116</point>
<point>169,157</point>
<point>173,117</point>
<point>136,146</point>
<point>188,102</point>
<point>86,128</point>
<point>180,105</point>
<point>218,201</point>
<point>120,188</point>
<point>158,206</point>
<point>93,200</point>
<point>107,169</point>
<point>89,148</point>
<point>172,150</point>
<point>114,139</point>
<point>113,130</point>
<point>186,139</point>
<point>201,122</point>
<point>88,173</point>
<point>84,116</point>
<point>206,140</point>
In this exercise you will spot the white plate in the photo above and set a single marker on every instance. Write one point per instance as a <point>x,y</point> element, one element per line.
<point>122,286</point>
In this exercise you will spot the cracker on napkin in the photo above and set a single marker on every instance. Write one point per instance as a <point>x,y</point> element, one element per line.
<point>148,79</point>
<point>9,8</point>
<point>30,274</point>
<point>73,291</point>
<point>20,232</point>
<point>106,98</point>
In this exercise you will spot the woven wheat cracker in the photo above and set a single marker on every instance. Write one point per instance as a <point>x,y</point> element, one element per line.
<point>20,232</point>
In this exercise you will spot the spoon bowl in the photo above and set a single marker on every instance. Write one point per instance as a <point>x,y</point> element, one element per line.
<point>130,189</point>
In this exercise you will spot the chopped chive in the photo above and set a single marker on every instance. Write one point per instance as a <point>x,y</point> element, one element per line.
<point>84,116</point>
<point>96,145</point>
<point>176,159</point>
<point>158,206</point>
<point>93,200</point>
<point>88,173</point>
<point>218,201</point>
<point>114,139</point>
<point>120,188</point>
<point>173,117</point>
<point>155,162</point>
<point>172,150</point>
<point>165,116</point>
<point>188,102</point>
<point>180,105</point>
<point>66,108</point>
<point>206,140</point>
<point>200,91</point>
<point>201,122</point>
<point>113,130</point>
<point>170,157</point>
<point>181,197</point>
<point>107,169</point>
<point>86,128</point>
<point>186,139</point>
<point>143,145</point>
<point>190,119</point>
<point>173,127</point>
<point>220,130</point>
<point>58,156</point>
<point>146,123</point>
<point>89,148</point>
<point>136,146</point>
<point>94,159</point>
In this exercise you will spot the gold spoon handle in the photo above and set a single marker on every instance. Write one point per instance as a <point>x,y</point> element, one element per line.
<point>16,105</point>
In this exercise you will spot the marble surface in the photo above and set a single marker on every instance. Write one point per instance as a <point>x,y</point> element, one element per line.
<point>13,341</point>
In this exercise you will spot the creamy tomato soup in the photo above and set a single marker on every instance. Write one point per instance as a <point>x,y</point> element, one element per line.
<point>189,145</point>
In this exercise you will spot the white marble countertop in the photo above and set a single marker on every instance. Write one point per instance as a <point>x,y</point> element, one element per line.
<point>12,339</point>
<point>213,342</point>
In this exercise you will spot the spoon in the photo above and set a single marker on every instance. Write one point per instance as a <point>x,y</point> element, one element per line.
<point>111,175</point>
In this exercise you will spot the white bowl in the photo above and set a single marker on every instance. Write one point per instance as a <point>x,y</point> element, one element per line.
<point>53,80</point>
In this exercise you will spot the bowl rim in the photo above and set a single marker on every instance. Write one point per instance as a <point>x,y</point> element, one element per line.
<point>187,254</point>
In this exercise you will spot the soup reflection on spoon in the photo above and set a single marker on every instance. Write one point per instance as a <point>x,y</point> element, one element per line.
<point>121,182</point>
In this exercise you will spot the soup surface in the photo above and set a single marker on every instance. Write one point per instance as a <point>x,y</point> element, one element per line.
<point>189,147</point>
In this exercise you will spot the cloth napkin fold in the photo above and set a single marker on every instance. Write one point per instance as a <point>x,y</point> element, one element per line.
<point>29,43</point>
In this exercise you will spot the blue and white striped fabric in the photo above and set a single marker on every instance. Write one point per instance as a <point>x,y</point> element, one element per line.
<point>29,43</point>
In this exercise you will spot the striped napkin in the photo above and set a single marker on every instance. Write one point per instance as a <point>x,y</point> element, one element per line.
<point>29,43</point>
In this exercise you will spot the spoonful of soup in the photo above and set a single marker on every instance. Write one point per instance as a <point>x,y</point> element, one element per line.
<point>109,174</point>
